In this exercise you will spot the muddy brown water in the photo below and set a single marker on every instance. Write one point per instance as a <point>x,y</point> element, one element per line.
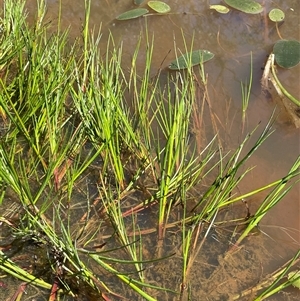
<point>231,37</point>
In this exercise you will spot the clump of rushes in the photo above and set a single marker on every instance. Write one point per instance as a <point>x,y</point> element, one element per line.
<point>80,163</point>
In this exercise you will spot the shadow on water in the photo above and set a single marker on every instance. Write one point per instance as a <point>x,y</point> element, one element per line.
<point>232,38</point>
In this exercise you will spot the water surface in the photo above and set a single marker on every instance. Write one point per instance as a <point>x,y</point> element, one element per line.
<point>232,37</point>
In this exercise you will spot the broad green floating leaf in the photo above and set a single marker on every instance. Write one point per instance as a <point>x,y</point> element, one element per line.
<point>246,6</point>
<point>220,8</point>
<point>296,276</point>
<point>276,15</point>
<point>287,53</point>
<point>191,59</point>
<point>132,14</point>
<point>138,2</point>
<point>159,7</point>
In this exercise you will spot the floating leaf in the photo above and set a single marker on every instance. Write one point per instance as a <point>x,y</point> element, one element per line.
<point>159,7</point>
<point>287,53</point>
<point>246,6</point>
<point>138,2</point>
<point>220,8</point>
<point>276,15</point>
<point>191,59</point>
<point>295,276</point>
<point>134,13</point>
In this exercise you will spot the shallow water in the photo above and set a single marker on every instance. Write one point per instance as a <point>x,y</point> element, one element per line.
<point>232,38</point>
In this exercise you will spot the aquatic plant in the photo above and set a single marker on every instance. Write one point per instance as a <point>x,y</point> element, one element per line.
<point>246,91</point>
<point>95,181</point>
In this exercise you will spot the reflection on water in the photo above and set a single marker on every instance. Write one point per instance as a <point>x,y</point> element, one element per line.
<point>232,38</point>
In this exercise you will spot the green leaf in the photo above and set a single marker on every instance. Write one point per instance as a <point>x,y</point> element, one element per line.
<point>276,15</point>
<point>191,59</point>
<point>159,7</point>
<point>246,6</point>
<point>132,14</point>
<point>220,8</point>
<point>287,53</point>
<point>295,276</point>
<point>138,2</point>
